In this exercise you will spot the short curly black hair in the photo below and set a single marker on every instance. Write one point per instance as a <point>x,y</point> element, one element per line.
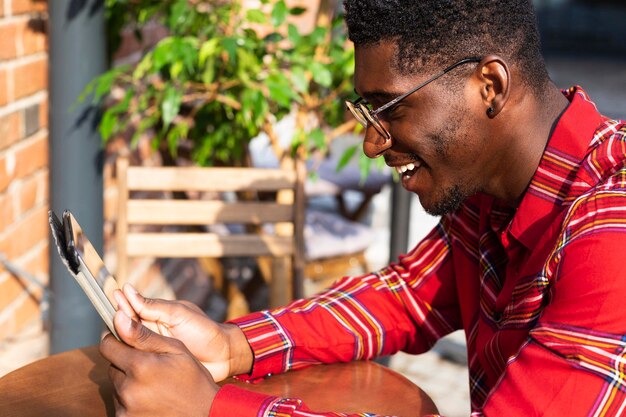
<point>440,32</point>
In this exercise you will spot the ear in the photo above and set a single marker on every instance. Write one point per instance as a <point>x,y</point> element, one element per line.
<point>495,78</point>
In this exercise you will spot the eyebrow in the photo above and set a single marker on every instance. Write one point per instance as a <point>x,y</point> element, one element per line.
<point>378,96</point>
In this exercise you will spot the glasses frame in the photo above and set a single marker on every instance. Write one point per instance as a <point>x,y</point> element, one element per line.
<point>366,116</point>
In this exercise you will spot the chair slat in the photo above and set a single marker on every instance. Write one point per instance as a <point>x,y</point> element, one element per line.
<point>192,245</point>
<point>189,212</point>
<point>214,179</point>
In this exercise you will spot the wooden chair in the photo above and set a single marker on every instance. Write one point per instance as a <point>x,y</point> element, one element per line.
<point>147,212</point>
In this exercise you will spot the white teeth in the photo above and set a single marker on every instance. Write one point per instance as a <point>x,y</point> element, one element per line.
<point>405,168</point>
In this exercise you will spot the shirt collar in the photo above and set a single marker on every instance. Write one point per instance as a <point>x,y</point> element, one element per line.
<point>550,186</point>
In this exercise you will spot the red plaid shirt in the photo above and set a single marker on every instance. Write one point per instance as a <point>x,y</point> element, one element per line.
<point>538,290</point>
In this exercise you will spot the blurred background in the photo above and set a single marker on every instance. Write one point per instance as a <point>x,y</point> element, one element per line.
<point>49,52</point>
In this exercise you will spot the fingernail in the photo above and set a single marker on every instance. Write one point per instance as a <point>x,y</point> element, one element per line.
<point>118,298</point>
<point>130,289</point>
<point>125,321</point>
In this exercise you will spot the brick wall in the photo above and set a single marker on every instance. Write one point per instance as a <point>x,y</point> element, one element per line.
<point>23,159</point>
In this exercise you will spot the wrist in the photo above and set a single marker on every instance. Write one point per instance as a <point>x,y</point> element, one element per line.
<point>241,356</point>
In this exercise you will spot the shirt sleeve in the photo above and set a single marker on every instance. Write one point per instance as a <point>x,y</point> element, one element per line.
<point>234,401</point>
<point>573,363</point>
<point>362,317</point>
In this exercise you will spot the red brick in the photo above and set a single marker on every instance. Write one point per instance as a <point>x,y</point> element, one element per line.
<point>13,287</point>
<point>7,211</point>
<point>27,194</point>
<point>27,6</point>
<point>30,77</point>
<point>43,188</point>
<point>11,129</point>
<point>30,39</point>
<point>7,170</point>
<point>35,263</point>
<point>43,114</point>
<point>26,233</point>
<point>32,192</point>
<point>24,313</point>
<point>32,157</point>
<point>38,263</point>
<point>3,87</point>
<point>8,40</point>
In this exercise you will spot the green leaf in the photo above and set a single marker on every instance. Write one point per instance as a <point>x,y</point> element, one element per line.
<point>208,75</point>
<point>280,89</point>
<point>293,34</point>
<point>299,79</point>
<point>256,16</point>
<point>318,35</point>
<point>346,157</point>
<point>230,46</point>
<point>143,125</point>
<point>208,49</point>
<point>176,69</point>
<point>104,85</point>
<point>178,12</point>
<point>318,138</point>
<point>175,135</point>
<point>107,124</point>
<point>163,53</point>
<point>297,11</point>
<point>321,74</point>
<point>143,68</point>
<point>111,121</point>
<point>279,13</point>
<point>170,104</point>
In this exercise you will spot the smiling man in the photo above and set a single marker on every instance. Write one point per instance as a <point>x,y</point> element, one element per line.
<point>530,182</point>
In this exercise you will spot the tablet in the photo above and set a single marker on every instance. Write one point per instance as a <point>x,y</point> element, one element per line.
<point>85,265</point>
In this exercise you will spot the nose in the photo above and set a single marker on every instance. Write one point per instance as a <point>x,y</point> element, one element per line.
<point>375,144</point>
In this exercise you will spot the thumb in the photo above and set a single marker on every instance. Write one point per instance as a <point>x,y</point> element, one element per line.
<point>140,337</point>
<point>147,308</point>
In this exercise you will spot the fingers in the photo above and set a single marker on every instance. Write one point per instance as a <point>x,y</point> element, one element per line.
<point>140,337</point>
<point>149,309</point>
<point>137,336</point>
<point>124,305</point>
<point>114,351</point>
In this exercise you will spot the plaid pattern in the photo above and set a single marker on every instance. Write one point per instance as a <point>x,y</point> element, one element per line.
<point>539,290</point>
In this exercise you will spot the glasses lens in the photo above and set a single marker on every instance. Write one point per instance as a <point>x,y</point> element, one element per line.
<point>356,111</point>
<point>363,115</point>
<point>373,120</point>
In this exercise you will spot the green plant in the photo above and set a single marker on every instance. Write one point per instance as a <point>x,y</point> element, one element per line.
<point>216,82</point>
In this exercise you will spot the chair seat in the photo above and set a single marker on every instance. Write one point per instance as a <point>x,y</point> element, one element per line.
<point>329,235</point>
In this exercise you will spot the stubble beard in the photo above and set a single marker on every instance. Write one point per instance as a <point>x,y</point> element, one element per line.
<point>450,201</point>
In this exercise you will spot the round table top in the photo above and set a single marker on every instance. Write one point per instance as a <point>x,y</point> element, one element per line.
<point>76,383</point>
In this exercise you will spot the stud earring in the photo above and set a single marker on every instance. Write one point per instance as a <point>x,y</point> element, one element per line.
<point>490,111</point>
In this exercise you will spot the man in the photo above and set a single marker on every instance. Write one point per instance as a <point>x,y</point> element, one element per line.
<point>531,185</point>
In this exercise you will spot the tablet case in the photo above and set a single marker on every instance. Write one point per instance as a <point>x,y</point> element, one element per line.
<point>85,265</point>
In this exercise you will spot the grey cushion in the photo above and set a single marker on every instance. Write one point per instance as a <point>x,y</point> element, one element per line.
<point>328,234</point>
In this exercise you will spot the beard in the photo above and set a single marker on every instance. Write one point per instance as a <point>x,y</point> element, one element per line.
<point>449,202</point>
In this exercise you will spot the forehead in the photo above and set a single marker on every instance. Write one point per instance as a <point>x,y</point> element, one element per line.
<point>375,71</point>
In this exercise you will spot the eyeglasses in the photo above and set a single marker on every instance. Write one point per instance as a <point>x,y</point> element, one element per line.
<point>367,116</point>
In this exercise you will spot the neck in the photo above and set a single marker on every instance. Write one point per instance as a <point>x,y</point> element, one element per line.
<point>528,128</point>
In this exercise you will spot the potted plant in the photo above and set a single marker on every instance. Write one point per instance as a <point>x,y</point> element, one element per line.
<point>224,74</point>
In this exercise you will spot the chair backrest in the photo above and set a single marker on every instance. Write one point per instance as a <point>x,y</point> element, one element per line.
<point>141,192</point>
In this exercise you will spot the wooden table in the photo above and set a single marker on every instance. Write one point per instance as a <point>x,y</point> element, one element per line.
<point>76,384</point>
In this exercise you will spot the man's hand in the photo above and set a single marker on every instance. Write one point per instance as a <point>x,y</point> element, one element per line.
<point>222,348</point>
<point>154,375</point>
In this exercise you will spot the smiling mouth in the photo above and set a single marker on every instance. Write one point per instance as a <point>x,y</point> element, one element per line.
<point>408,169</point>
